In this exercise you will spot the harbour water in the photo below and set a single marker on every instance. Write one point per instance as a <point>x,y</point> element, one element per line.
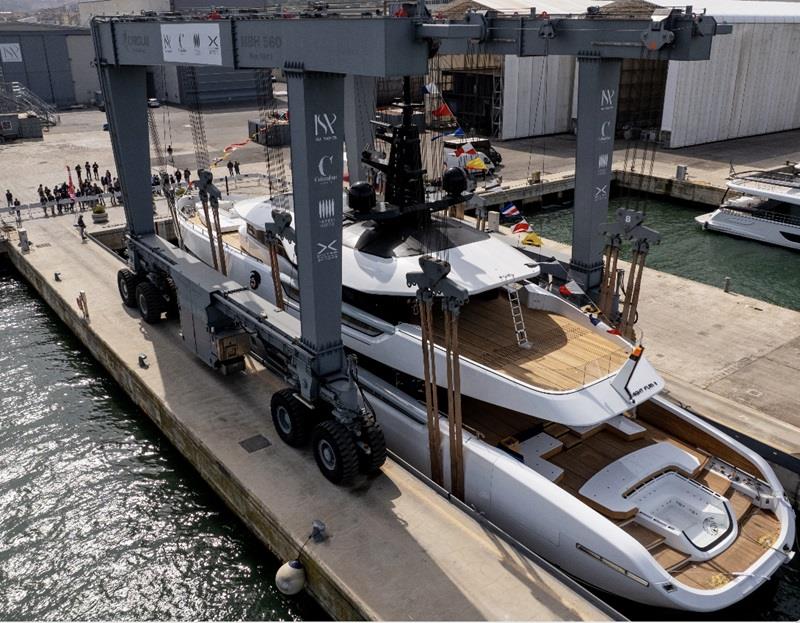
<point>758,270</point>
<point>101,518</point>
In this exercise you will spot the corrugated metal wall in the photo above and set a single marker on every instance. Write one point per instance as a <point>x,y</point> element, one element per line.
<point>45,67</point>
<point>526,112</point>
<point>751,85</point>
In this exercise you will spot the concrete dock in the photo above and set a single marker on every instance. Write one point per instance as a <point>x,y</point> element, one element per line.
<point>397,550</point>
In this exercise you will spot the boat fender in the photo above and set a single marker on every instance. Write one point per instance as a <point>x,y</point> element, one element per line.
<point>290,578</point>
<point>255,280</point>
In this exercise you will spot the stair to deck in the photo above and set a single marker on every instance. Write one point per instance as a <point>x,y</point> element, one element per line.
<point>517,316</point>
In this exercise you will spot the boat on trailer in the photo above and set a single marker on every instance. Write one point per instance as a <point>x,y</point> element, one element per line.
<point>767,210</point>
<point>569,444</point>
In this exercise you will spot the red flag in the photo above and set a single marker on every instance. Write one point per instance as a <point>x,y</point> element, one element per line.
<point>521,228</point>
<point>442,111</point>
<point>401,12</point>
<point>614,332</point>
<point>564,291</point>
<point>70,185</point>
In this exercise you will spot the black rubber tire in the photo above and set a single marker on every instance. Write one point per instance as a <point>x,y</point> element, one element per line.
<point>335,452</point>
<point>372,435</point>
<point>291,418</point>
<point>126,284</point>
<point>149,301</point>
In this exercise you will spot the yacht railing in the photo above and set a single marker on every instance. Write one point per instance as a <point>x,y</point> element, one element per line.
<point>764,215</point>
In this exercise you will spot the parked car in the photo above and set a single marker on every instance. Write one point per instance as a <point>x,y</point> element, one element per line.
<point>105,126</point>
<point>153,102</point>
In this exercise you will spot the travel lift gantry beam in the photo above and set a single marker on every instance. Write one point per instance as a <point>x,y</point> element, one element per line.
<point>316,54</point>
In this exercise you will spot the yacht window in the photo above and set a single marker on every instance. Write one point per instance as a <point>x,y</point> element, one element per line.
<point>255,233</point>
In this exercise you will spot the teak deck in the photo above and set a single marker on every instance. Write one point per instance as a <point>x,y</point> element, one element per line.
<point>563,354</point>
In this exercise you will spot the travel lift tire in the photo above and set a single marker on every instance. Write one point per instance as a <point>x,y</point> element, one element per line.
<point>372,435</point>
<point>335,452</point>
<point>126,284</point>
<point>292,419</point>
<point>150,302</point>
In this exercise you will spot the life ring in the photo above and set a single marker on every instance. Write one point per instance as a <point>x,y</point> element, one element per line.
<point>255,280</point>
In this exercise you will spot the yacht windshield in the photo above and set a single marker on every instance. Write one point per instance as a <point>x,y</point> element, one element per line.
<point>409,239</point>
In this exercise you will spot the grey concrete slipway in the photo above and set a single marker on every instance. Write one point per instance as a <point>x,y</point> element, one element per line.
<point>397,551</point>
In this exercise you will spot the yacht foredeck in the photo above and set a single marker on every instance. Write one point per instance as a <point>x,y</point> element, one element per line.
<point>562,356</point>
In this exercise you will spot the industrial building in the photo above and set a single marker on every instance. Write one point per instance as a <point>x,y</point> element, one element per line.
<point>210,85</point>
<point>746,88</point>
<point>53,62</point>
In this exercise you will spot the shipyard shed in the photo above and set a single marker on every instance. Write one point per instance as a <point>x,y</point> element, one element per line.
<point>54,62</point>
<point>750,86</point>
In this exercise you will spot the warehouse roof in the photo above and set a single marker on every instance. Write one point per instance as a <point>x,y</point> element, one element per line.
<point>30,27</point>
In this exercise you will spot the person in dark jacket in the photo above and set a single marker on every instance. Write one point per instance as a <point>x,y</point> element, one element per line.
<point>236,164</point>
<point>78,171</point>
<point>9,198</point>
<point>82,227</point>
<point>230,168</point>
<point>95,169</point>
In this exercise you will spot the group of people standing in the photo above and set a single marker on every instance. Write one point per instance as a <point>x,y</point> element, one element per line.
<point>87,193</point>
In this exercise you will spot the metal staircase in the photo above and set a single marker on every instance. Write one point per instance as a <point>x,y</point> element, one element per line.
<point>517,316</point>
<point>23,99</point>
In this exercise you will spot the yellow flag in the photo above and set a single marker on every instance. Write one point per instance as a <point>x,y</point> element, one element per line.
<point>476,164</point>
<point>532,239</point>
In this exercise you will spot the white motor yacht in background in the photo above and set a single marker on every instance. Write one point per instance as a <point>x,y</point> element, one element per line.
<point>768,210</point>
<point>569,445</point>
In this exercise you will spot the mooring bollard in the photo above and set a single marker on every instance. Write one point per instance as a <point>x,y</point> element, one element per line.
<point>727,286</point>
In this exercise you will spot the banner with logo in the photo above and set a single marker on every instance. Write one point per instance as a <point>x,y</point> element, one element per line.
<point>10,53</point>
<point>195,44</point>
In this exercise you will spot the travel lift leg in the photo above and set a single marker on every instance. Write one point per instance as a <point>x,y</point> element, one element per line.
<point>325,401</point>
<point>598,87</point>
<point>352,437</point>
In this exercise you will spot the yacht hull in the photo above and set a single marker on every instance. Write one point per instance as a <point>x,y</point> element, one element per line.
<point>743,225</point>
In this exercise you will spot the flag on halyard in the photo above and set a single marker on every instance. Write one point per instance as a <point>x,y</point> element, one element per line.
<point>614,332</point>
<point>458,132</point>
<point>468,149</point>
<point>476,164</point>
<point>570,288</point>
<point>70,185</point>
<point>594,320</point>
<point>442,111</point>
<point>431,88</point>
<point>509,210</point>
<point>521,228</point>
<point>532,239</point>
